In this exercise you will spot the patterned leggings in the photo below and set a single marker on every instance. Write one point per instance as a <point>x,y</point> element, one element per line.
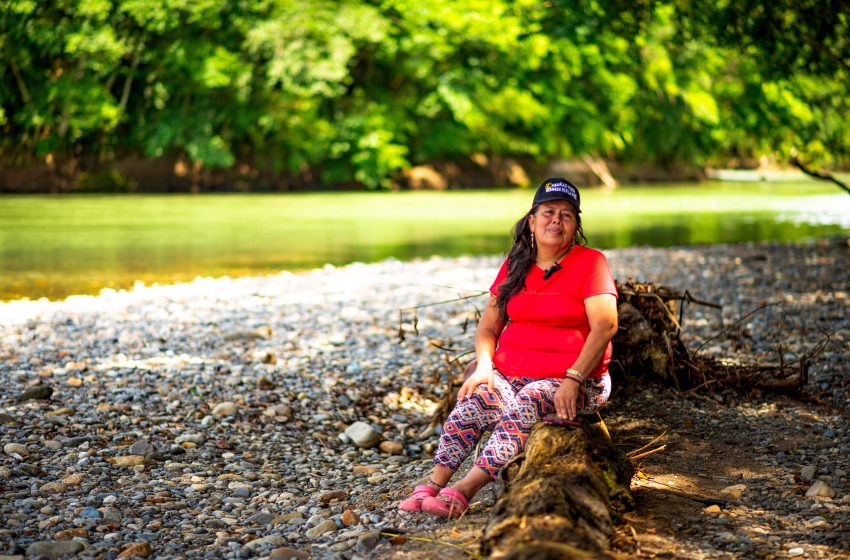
<point>511,410</point>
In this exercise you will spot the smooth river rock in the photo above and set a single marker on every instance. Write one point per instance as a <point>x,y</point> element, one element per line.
<point>54,549</point>
<point>18,448</point>
<point>226,408</point>
<point>363,435</point>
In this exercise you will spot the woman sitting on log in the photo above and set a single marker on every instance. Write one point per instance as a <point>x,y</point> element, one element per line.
<point>542,346</point>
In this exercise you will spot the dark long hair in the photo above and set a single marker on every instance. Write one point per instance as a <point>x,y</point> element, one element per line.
<point>521,258</point>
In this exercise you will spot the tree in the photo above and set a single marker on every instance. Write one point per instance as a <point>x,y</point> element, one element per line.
<point>323,92</point>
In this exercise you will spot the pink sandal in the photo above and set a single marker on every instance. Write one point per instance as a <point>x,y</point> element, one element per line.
<point>448,503</point>
<point>414,502</point>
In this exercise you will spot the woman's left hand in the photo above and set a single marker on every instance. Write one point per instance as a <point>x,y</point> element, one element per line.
<point>565,399</point>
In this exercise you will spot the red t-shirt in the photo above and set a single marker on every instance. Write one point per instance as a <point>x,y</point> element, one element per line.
<point>547,323</point>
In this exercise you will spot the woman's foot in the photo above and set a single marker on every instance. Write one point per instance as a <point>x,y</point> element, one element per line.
<point>447,503</point>
<point>420,493</point>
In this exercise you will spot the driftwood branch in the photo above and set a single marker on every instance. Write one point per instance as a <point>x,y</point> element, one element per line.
<point>648,346</point>
<point>822,176</point>
<point>647,453</point>
<point>637,451</point>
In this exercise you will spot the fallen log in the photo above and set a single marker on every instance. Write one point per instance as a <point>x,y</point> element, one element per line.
<point>562,499</point>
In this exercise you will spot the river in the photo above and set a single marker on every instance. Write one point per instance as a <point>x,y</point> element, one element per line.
<point>55,246</point>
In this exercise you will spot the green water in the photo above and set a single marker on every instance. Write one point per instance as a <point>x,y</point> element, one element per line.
<point>54,246</point>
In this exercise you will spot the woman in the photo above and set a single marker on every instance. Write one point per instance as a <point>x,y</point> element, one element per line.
<point>542,346</point>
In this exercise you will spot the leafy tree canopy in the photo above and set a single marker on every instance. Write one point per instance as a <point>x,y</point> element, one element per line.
<point>356,91</point>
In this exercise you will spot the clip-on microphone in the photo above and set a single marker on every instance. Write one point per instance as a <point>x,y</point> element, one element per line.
<point>552,270</point>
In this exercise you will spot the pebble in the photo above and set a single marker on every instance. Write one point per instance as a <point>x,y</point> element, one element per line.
<point>74,479</point>
<point>285,553</point>
<point>735,491</point>
<point>53,487</point>
<point>242,491</point>
<point>294,363</point>
<point>807,473</point>
<point>285,518</point>
<point>127,460</point>
<point>16,449</point>
<point>112,515</point>
<point>278,410</point>
<point>76,441</point>
<point>391,447</point>
<point>225,409</point>
<point>350,518</point>
<point>367,542</point>
<point>270,540</point>
<point>36,393</point>
<point>137,550</point>
<point>91,513</point>
<point>261,518</point>
<point>324,527</point>
<point>363,435</point>
<point>142,447</point>
<point>197,439</point>
<point>55,549</point>
<point>821,489</point>
<point>60,412</point>
<point>69,534</point>
<point>326,497</point>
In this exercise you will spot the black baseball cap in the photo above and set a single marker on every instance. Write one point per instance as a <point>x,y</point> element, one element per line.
<point>557,188</point>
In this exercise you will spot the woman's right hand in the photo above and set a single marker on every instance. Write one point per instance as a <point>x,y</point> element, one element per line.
<point>482,374</point>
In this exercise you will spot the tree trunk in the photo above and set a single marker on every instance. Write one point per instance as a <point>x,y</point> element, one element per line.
<point>563,496</point>
<point>599,168</point>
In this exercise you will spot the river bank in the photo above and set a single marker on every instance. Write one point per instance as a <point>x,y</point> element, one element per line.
<point>209,419</point>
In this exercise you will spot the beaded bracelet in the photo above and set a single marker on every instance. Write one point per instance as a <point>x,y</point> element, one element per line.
<point>576,374</point>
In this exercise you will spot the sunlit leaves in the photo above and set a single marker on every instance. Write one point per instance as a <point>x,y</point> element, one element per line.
<point>156,17</point>
<point>463,107</point>
<point>220,68</point>
<point>307,47</point>
<point>356,91</point>
<point>209,148</point>
<point>98,46</point>
<point>376,158</point>
<point>703,106</point>
<point>91,9</point>
<point>20,7</point>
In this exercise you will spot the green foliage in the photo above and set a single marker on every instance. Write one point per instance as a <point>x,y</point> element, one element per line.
<point>357,91</point>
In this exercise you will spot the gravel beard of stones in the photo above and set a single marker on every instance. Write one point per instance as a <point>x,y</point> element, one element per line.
<point>143,350</point>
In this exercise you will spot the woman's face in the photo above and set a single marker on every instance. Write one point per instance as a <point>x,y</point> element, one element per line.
<point>554,224</point>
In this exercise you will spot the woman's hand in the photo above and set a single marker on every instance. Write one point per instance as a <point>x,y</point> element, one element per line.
<point>486,335</point>
<point>566,397</point>
<point>482,374</point>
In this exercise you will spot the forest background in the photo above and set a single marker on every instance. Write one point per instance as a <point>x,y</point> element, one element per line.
<point>281,95</point>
